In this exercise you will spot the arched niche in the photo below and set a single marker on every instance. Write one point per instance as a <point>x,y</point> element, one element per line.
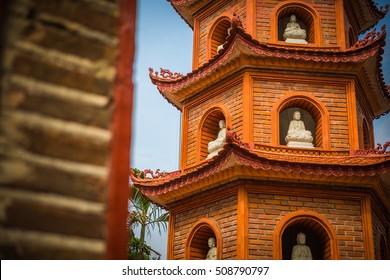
<point>320,236</point>
<point>209,128</point>
<point>197,241</point>
<point>217,35</point>
<point>286,116</point>
<point>306,16</point>
<point>314,111</point>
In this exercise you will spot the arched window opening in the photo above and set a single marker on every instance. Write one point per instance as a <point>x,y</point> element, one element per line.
<point>303,17</point>
<point>311,108</point>
<point>209,130</point>
<point>218,36</point>
<point>287,115</point>
<point>316,238</point>
<point>310,115</point>
<point>366,136</point>
<point>197,243</point>
<point>320,235</point>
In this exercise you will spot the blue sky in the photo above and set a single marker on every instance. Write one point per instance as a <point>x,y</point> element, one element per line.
<point>165,40</point>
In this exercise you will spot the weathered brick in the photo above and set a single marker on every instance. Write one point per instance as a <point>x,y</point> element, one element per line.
<point>58,74</point>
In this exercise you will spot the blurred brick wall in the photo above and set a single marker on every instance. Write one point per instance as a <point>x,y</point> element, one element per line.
<point>58,73</point>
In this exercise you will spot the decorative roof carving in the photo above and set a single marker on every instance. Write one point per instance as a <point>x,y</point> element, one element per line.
<point>232,137</point>
<point>148,175</point>
<point>380,12</point>
<point>379,150</point>
<point>179,2</point>
<point>384,10</point>
<point>271,50</point>
<point>164,74</point>
<point>370,38</point>
<point>236,22</point>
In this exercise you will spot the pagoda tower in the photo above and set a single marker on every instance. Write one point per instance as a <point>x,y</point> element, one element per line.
<point>277,132</point>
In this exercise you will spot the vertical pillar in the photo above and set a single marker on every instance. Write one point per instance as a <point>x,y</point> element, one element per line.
<point>171,236</point>
<point>242,224</point>
<point>118,192</point>
<point>251,17</point>
<point>352,116</point>
<point>340,24</point>
<point>247,91</point>
<point>369,252</point>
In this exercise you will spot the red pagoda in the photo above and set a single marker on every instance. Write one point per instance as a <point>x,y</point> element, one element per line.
<point>277,132</point>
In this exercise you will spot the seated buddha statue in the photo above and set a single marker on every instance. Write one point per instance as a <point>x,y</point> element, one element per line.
<point>297,135</point>
<point>301,251</point>
<point>294,33</point>
<point>217,145</point>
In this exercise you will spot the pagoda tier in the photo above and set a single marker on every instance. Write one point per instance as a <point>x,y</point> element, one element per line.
<point>240,52</point>
<point>366,10</point>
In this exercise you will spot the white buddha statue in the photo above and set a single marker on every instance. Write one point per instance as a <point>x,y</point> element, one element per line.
<point>297,135</point>
<point>294,33</point>
<point>212,253</point>
<point>217,145</point>
<point>301,251</point>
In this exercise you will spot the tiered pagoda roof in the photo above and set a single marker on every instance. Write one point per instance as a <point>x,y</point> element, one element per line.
<point>347,169</point>
<point>262,162</point>
<point>241,51</point>
<point>366,10</point>
<point>368,13</point>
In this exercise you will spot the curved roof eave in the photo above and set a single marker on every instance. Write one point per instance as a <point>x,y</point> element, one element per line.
<point>359,164</point>
<point>376,13</point>
<point>238,161</point>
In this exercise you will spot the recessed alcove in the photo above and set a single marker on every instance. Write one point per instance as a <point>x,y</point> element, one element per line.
<point>209,130</point>
<point>306,16</point>
<point>311,108</point>
<point>282,23</point>
<point>316,238</point>
<point>218,35</point>
<point>287,115</point>
<point>197,242</point>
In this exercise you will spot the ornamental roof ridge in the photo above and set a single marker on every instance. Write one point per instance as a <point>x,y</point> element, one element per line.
<point>370,37</point>
<point>167,77</point>
<point>169,83</point>
<point>149,175</point>
<point>179,2</point>
<point>358,163</point>
<point>244,157</point>
<point>379,13</point>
